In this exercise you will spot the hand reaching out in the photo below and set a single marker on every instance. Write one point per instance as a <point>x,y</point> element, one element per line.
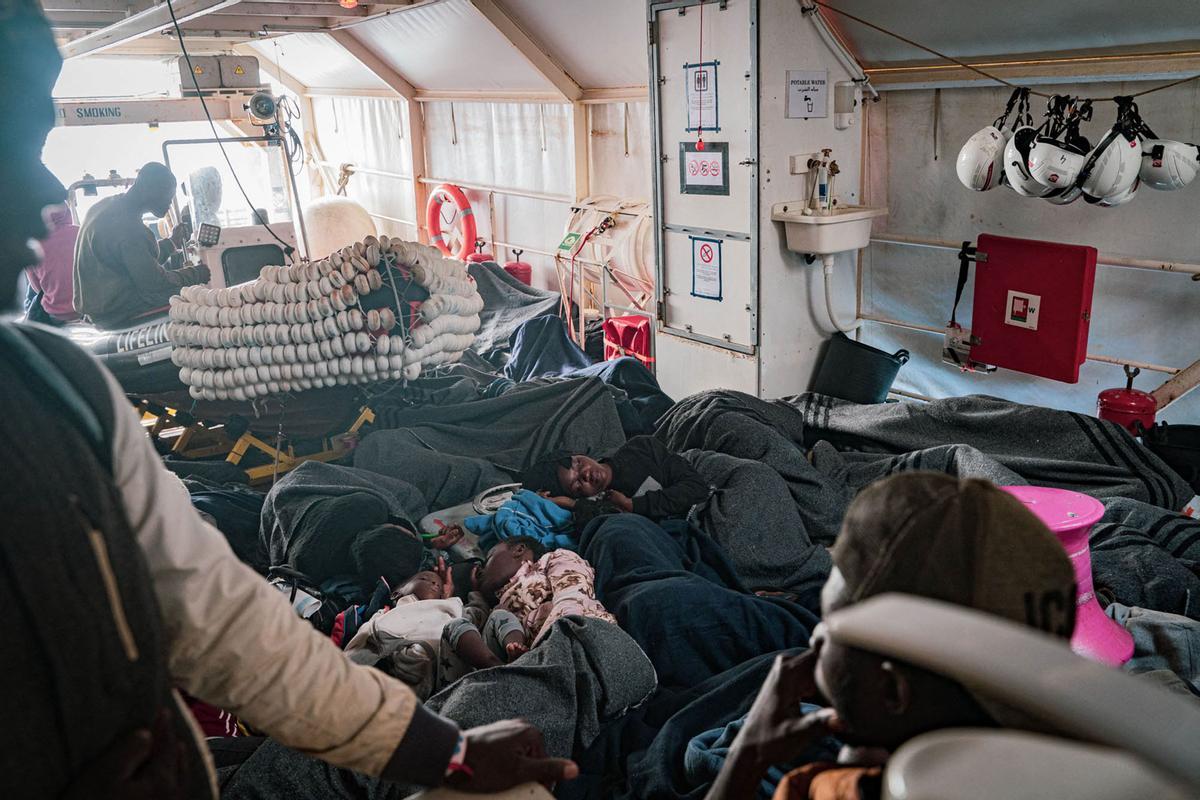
<point>450,535</point>
<point>507,754</point>
<point>562,502</point>
<point>620,501</point>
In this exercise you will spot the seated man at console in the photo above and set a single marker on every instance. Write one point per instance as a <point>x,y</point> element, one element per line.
<point>928,534</point>
<point>121,268</point>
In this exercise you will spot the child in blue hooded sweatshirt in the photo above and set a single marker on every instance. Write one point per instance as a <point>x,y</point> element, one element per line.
<point>525,514</point>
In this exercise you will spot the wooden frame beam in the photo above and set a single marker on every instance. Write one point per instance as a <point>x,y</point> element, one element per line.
<point>534,53</point>
<point>1177,386</point>
<point>299,9</point>
<point>234,23</point>
<point>122,7</point>
<point>144,23</point>
<point>372,61</point>
<point>581,130</point>
<point>415,124</point>
<point>1065,69</point>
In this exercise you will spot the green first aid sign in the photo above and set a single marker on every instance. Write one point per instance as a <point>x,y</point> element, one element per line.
<point>569,241</point>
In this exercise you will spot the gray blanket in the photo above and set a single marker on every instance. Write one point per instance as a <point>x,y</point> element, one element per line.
<point>745,427</point>
<point>752,515</point>
<point>507,304</point>
<point>583,674</point>
<point>1145,556</point>
<point>513,430</point>
<point>302,488</point>
<point>444,480</point>
<point>1041,446</point>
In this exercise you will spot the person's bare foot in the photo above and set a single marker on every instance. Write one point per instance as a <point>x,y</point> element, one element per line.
<point>515,650</point>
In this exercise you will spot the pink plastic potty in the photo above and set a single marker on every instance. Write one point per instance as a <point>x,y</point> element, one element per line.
<point>1071,516</point>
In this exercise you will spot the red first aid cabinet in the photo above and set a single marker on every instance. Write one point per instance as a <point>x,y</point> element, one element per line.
<point>1033,306</point>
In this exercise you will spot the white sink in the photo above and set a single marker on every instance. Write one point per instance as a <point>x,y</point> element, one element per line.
<point>845,228</point>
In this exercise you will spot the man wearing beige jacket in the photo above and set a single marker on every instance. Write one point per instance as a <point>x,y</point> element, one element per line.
<point>115,591</point>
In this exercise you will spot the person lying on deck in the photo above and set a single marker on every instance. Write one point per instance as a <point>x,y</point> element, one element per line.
<point>641,477</point>
<point>540,588</point>
<point>928,534</point>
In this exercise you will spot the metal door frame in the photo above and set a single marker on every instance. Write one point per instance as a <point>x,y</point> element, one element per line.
<point>653,9</point>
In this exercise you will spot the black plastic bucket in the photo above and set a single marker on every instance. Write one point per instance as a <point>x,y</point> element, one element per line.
<point>857,372</point>
<point>1179,446</point>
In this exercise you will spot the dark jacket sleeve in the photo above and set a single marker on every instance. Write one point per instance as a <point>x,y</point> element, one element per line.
<point>683,487</point>
<point>154,284</point>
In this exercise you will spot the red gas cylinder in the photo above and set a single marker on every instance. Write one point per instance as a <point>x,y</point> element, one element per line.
<point>1130,408</point>
<point>521,270</point>
<point>479,256</point>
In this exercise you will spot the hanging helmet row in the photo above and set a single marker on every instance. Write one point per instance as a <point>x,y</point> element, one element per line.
<point>1054,161</point>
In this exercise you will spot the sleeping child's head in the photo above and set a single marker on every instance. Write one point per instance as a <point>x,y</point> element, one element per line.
<point>504,560</point>
<point>425,585</point>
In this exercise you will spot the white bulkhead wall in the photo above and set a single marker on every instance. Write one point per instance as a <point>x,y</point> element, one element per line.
<point>793,323</point>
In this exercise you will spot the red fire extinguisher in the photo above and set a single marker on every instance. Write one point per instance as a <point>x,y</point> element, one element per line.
<point>480,256</point>
<point>1130,408</point>
<point>521,270</point>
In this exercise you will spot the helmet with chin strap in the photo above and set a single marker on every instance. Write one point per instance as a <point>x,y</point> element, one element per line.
<point>1168,165</point>
<point>1059,151</point>
<point>980,164</point>
<point>1111,169</point>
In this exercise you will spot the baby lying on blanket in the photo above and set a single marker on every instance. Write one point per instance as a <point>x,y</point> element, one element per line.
<point>540,588</point>
<point>429,638</point>
<point>641,477</point>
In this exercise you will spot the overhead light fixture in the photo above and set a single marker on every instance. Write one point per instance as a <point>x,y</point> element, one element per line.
<point>348,3</point>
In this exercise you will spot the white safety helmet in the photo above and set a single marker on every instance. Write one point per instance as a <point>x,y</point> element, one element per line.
<point>1112,167</point>
<point>981,160</point>
<point>1121,198</point>
<point>1016,164</point>
<point>1064,197</point>
<point>1054,164</point>
<point>1168,165</point>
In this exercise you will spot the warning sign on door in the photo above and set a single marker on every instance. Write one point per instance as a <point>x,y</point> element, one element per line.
<point>807,93</point>
<point>704,171</point>
<point>706,267</point>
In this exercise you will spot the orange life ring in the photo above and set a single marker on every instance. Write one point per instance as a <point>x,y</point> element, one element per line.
<point>433,219</point>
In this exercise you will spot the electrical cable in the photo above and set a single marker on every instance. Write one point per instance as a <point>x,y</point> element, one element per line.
<point>977,70</point>
<point>288,249</point>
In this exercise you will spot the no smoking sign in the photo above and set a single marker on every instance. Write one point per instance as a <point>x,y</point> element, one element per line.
<point>706,267</point>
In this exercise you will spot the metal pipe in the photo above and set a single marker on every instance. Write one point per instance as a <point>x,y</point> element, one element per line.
<point>483,187</point>
<point>1104,259</point>
<point>913,395</point>
<point>393,219</point>
<point>535,251</point>
<point>367,171</point>
<point>1098,357</point>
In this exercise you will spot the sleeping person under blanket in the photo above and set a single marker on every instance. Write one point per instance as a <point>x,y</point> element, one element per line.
<point>641,477</point>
